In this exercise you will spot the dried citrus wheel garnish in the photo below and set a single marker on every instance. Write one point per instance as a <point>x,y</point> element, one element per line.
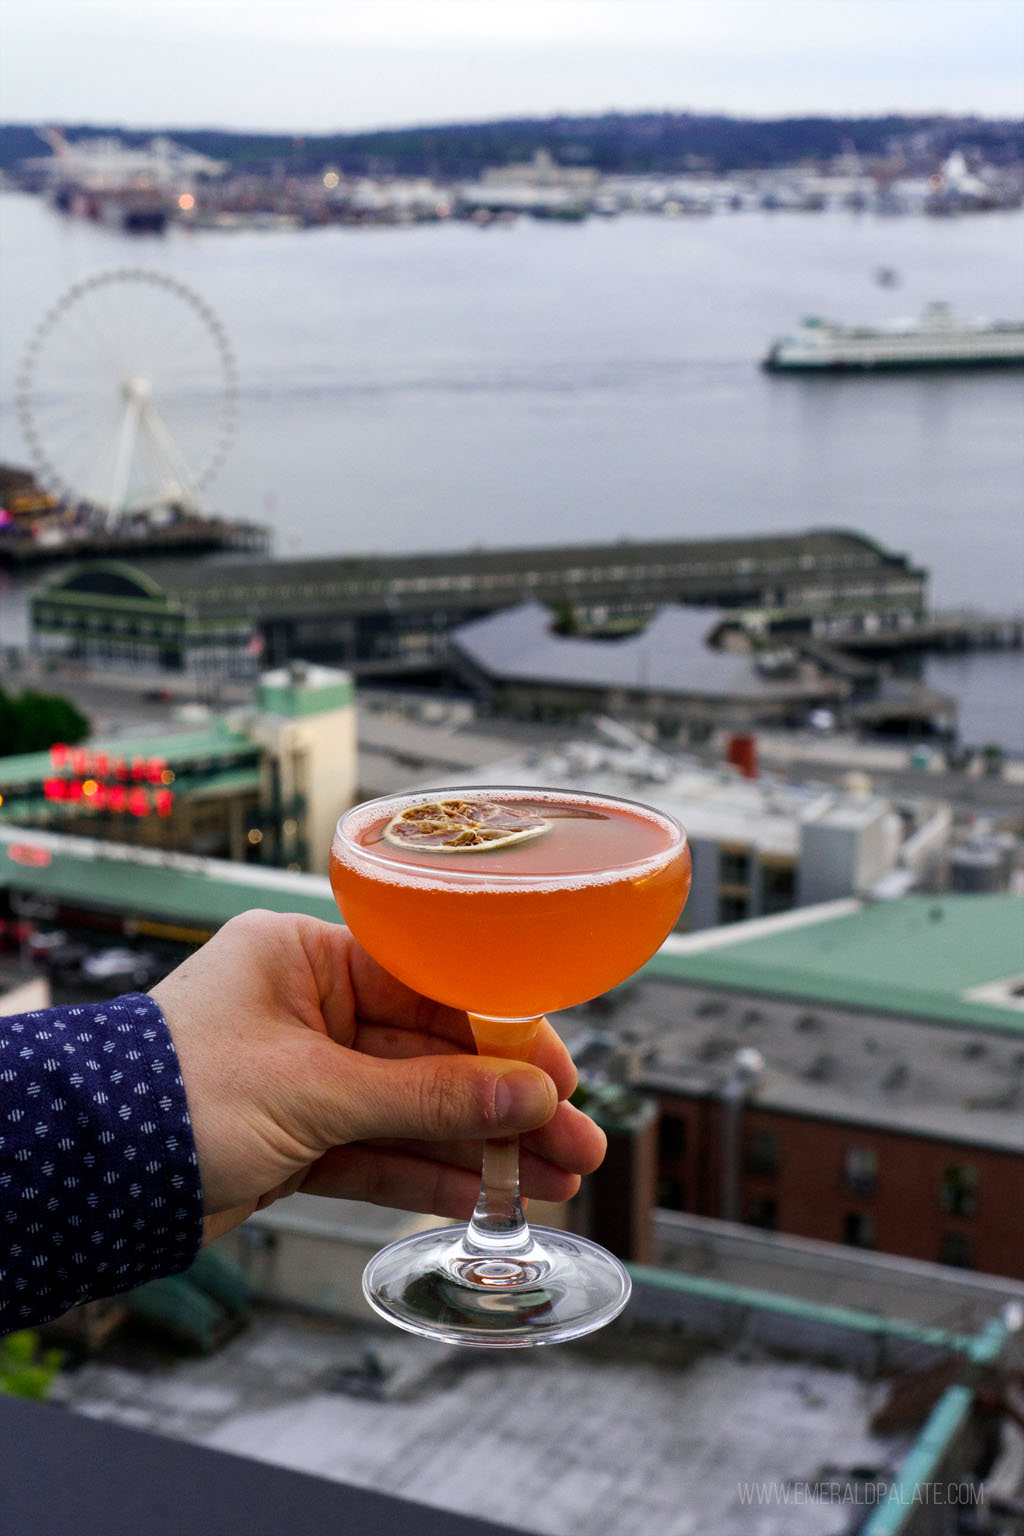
<point>462,826</point>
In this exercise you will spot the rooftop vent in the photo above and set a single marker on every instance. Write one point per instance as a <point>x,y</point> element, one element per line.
<point>1004,1098</point>
<point>715,1047</point>
<point>896,1076</point>
<point>822,1069</point>
<point>807,1022</point>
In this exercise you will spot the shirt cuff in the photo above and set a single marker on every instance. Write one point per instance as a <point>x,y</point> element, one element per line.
<point>99,1181</point>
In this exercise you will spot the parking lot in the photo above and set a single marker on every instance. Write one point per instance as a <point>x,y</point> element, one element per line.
<point>85,965</point>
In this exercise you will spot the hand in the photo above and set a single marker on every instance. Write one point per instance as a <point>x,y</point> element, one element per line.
<point>308,1067</point>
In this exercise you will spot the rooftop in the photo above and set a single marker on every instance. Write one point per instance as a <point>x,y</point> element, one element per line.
<point>173,887</point>
<point>824,546</point>
<point>715,804</point>
<point>672,656</point>
<point>468,579</point>
<point>930,957</point>
<point>860,1068</point>
<point>895,1046</point>
<point>830,1277</point>
<point>683,1405</point>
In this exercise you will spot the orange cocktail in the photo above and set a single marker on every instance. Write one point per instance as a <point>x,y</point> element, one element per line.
<point>508,903</point>
<point>514,931</point>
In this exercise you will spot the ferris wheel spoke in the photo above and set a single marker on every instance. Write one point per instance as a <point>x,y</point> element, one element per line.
<point>123,456</point>
<point>178,337</point>
<point>76,440</point>
<point>117,304</point>
<point>83,456</point>
<point>57,410</point>
<point>166,452</point>
<point>69,415</point>
<point>80,472</point>
<point>178,331</point>
<point>93,339</point>
<point>183,372</point>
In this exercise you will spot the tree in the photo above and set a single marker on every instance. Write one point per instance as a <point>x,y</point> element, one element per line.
<point>32,722</point>
<point>26,1369</point>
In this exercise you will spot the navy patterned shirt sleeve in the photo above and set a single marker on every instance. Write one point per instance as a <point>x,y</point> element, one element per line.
<point>99,1183</point>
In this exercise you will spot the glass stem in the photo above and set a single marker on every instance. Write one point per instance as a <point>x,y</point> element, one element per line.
<point>498,1225</point>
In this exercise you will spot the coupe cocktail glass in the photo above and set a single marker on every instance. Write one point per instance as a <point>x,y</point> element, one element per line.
<point>541,920</point>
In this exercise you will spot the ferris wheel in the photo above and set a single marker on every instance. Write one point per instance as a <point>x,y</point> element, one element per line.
<point>127,393</point>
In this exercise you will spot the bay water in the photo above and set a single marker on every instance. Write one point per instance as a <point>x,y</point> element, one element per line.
<point>444,386</point>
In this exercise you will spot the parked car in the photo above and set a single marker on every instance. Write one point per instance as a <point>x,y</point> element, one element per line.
<point>63,962</point>
<point>121,967</point>
<point>42,941</point>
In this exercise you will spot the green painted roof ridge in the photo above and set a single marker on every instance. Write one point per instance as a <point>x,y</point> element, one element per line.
<point>919,956</point>
<point>865,994</point>
<point>825,1312</point>
<point>921,1463</point>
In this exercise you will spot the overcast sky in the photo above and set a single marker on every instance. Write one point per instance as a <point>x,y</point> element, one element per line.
<point>318,65</point>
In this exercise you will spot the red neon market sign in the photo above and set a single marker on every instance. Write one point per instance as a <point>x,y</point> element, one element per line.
<point>103,781</point>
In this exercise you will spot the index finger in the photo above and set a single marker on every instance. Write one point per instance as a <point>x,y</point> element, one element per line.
<point>380,998</point>
<point>351,985</point>
<point>356,989</point>
<point>546,1050</point>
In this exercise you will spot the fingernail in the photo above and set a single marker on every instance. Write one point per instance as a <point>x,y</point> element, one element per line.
<point>522,1098</point>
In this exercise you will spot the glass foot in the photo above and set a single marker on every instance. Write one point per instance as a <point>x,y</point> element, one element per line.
<point>560,1287</point>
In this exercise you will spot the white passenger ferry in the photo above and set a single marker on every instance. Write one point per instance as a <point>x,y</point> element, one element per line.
<point>939,339</point>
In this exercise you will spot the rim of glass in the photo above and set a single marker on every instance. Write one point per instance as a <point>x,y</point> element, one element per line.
<point>650,861</point>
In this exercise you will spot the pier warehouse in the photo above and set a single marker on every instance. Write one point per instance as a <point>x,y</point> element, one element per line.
<point>397,610</point>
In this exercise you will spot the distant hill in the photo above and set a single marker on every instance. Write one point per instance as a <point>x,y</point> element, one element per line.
<point>636,142</point>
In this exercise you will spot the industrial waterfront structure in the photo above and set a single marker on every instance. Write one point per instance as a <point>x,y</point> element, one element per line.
<point>396,611</point>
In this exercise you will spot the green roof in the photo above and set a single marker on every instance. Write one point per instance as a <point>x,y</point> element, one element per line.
<point>173,888</point>
<point>921,956</point>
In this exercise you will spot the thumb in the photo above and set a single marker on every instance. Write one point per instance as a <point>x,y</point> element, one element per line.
<point>432,1098</point>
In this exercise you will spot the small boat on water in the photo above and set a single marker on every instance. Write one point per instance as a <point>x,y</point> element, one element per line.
<point>938,339</point>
